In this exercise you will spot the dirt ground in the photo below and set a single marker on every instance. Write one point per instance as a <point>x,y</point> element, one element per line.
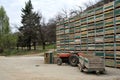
<point>33,68</point>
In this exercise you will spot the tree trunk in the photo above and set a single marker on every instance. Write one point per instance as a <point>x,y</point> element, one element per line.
<point>29,46</point>
<point>43,45</point>
<point>29,43</point>
<point>34,44</point>
<point>17,46</point>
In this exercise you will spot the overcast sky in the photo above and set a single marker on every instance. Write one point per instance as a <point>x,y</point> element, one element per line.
<point>49,8</point>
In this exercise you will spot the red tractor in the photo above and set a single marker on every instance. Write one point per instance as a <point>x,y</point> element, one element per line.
<point>70,58</point>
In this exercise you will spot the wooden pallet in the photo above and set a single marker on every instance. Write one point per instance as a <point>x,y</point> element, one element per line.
<point>83,15</point>
<point>108,14</point>
<point>118,20</point>
<point>99,39</point>
<point>77,41</point>
<point>109,62</point>
<point>117,4</point>
<point>109,32</point>
<point>83,29</point>
<point>99,10</point>
<point>77,34</point>
<point>108,6</point>
<point>91,19</point>
<point>109,22</point>
<point>90,12</point>
<point>99,18</point>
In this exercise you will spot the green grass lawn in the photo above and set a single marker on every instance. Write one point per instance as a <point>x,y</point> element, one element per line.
<point>11,52</point>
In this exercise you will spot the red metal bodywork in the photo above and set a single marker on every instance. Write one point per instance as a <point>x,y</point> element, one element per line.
<point>64,55</point>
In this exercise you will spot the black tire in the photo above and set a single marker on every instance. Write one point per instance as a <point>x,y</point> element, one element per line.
<point>73,60</point>
<point>102,72</point>
<point>59,61</point>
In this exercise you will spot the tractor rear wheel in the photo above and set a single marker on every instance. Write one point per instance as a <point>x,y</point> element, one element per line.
<point>73,60</point>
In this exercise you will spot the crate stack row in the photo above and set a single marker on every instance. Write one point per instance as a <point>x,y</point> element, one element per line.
<point>96,31</point>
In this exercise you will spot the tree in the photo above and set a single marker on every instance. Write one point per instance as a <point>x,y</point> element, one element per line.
<point>30,22</point>
<point>4,27</point>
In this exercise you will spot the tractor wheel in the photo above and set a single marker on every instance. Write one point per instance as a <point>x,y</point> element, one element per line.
<point>59,61</point>
<point>73,60</point>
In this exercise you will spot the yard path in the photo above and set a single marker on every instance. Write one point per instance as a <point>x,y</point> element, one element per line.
<point>33,68</point>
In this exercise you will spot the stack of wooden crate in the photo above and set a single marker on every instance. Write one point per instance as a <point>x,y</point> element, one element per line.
<point>96,31</point>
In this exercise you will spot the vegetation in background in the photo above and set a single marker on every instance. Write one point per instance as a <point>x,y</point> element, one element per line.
<point>33,31</point>
<point>7,39</point>
<point>11,52</point>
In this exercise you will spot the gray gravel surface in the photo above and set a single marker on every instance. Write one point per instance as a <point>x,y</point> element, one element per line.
<point>33,68</point>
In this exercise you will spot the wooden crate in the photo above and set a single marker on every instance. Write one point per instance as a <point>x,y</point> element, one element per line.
<point>109,46</point>
<point>118,63</point>
<point>118,53</point>
<point>99,10</point>
<point>108,14</point>
<point>99,24</point>
<point>99,53</point>
<point>117,37</point>
<point>109,56</point>
<point>83,21</point>
<point>72,47</point>
<point>77,17</point>
<point>84,15</point>
<point>99,39</point>
<point>118,20</point>
<point>84,48</point>
<point>109,40</point>
<point>117,3</point>
<point>99,46</point>
<point>110,62</point>
<point>77,37</point>
<point>77,41</point>
<point>71,19</point>
<point>71,43</point>
<point>99,17</point>
<point>91,19</point>
<point>48,58</point>
<point>71,36</point>
<point>85,32</point>
<point>118,29</point>
<point>118,46</point>
<point>91,40</point>
<point>77,29</point>
<point>90,12</point>
<point>77,47</point>
<point>83,28</point>
<point>66,31</point>
<point>83,40</point>
<point>109,6</point>
<point>83,35</point>
<point>109,30</point>
<point>109,22</point>
<point>117,12</point>
<point>91,52</point>
<point>77,23</point>
<point>91,27</point>
<point>58,46</point>
<point>99,32</point>
<point>91,46</point>
<point>77,34</point>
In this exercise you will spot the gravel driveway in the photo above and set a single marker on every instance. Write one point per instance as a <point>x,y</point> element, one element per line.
<point>33,68</point>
